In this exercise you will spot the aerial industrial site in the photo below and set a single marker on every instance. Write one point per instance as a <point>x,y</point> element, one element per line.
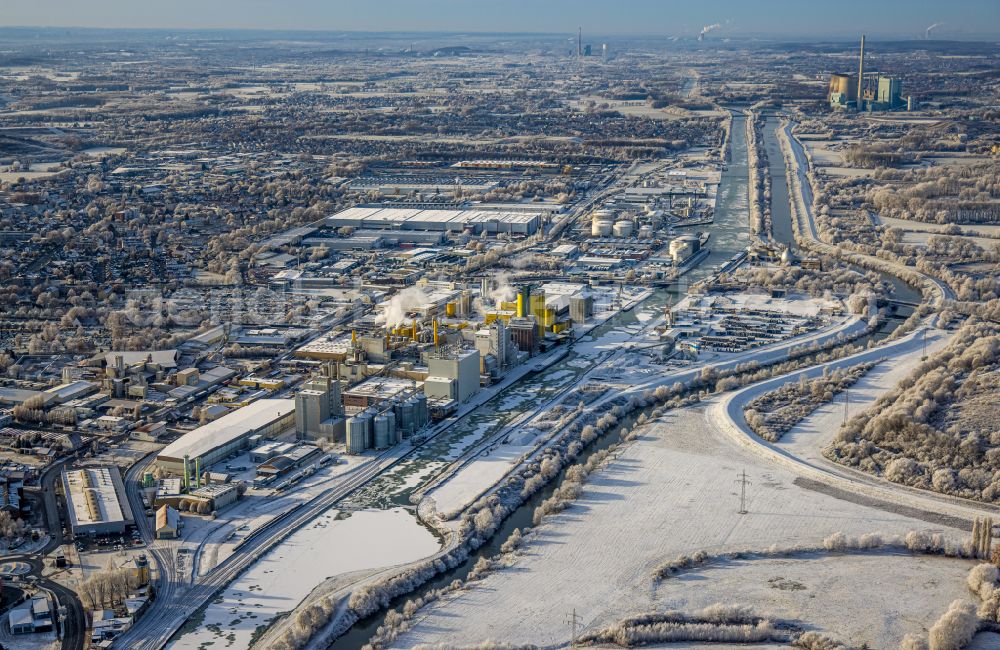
<point>335,340</point>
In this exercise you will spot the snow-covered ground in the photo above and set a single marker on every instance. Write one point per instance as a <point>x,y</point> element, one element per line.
<point>328,546</point>
<point>673,491</point>
<point>465,486</point>
<point>831,592</point>
<point>808,438</point>
<point>212,541</point>
<point>626,368</point>
<point>37,641</point>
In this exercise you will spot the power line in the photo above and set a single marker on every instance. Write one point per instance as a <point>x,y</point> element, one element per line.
<point>847,402</point>
<point>742,480</point>
<point>574,621</point>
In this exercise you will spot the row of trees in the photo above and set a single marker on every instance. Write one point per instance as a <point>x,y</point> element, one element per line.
<point>108,588</point>
<point>760,177</point>
<point>774,413</point>
<point>905,437</point>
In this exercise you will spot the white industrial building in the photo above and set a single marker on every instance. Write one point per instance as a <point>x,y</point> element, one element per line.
<point>219,494</point>
<point>452,375</point>
<point>518,223</point>
<point>95,501</point>
<point>216,440</point>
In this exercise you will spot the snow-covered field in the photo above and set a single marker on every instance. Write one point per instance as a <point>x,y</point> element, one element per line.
<point>466,486</point>
<point>807,439</point>
<point>834,593</point>
<point>918,233</point>
<point>328,546</point>
<point>673,491</point>
<point>213,540</point>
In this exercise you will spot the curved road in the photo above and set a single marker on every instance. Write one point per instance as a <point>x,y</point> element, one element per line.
<point>728,416</point>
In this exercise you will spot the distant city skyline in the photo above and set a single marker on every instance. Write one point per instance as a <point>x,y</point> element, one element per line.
<point>782,18</point>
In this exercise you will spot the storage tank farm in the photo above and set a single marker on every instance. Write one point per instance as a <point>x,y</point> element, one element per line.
<point>386,425</point>
<point>601,223</point>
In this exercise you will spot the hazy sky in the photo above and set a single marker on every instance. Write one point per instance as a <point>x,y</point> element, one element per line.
<point>962,18</point>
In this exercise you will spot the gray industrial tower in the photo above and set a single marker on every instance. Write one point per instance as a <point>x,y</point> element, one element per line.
<point>861,74</point>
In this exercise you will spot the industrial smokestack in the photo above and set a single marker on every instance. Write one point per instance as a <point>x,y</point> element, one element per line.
<point>861,74</point>
<point>706,29</point>
<point>579,41</point>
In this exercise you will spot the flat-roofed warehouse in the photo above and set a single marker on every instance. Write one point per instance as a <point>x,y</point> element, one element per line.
<point>488,221</point>
<point>96,502</point>
<point>216,440</point>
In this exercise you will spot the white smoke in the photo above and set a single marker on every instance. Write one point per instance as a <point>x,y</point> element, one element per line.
<point>927,32</point>
<point>394,311</point>
<point>708,28</point>
<point>502,290</point>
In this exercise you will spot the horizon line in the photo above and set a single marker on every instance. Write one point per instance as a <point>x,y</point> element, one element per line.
<point>791,37</point>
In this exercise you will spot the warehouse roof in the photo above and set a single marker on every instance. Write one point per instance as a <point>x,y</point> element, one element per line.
<point>228,428</point>
<point>164,358</point>
<point>93,495</point>
<point>414,219</point>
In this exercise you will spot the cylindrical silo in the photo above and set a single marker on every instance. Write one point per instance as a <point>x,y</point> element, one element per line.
<point>390,417</point>
<point>407,417</point>
<point>369,430</point>
<point>421,416</point>
<point>355,435</point>
<point>382,435</point>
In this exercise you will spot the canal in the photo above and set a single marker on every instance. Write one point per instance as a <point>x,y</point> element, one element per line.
<point>781,210</point>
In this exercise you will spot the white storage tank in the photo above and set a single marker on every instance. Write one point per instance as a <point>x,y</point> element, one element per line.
<point>646,232</point>
<point>683,247</point>
<point>383,437</point>
<point>356,434</point>
<point>623,228</point>
<point>600,228</point>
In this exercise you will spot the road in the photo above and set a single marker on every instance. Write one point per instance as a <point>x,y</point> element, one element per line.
<point>728,416</point>
<point>75,622</point>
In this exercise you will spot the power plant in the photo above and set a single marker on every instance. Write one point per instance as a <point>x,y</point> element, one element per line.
<point>874,92</point>
<point>706,29</point>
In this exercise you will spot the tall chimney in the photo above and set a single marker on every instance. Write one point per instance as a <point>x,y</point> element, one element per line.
<point>579,42</point>
<point>861,74</point>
